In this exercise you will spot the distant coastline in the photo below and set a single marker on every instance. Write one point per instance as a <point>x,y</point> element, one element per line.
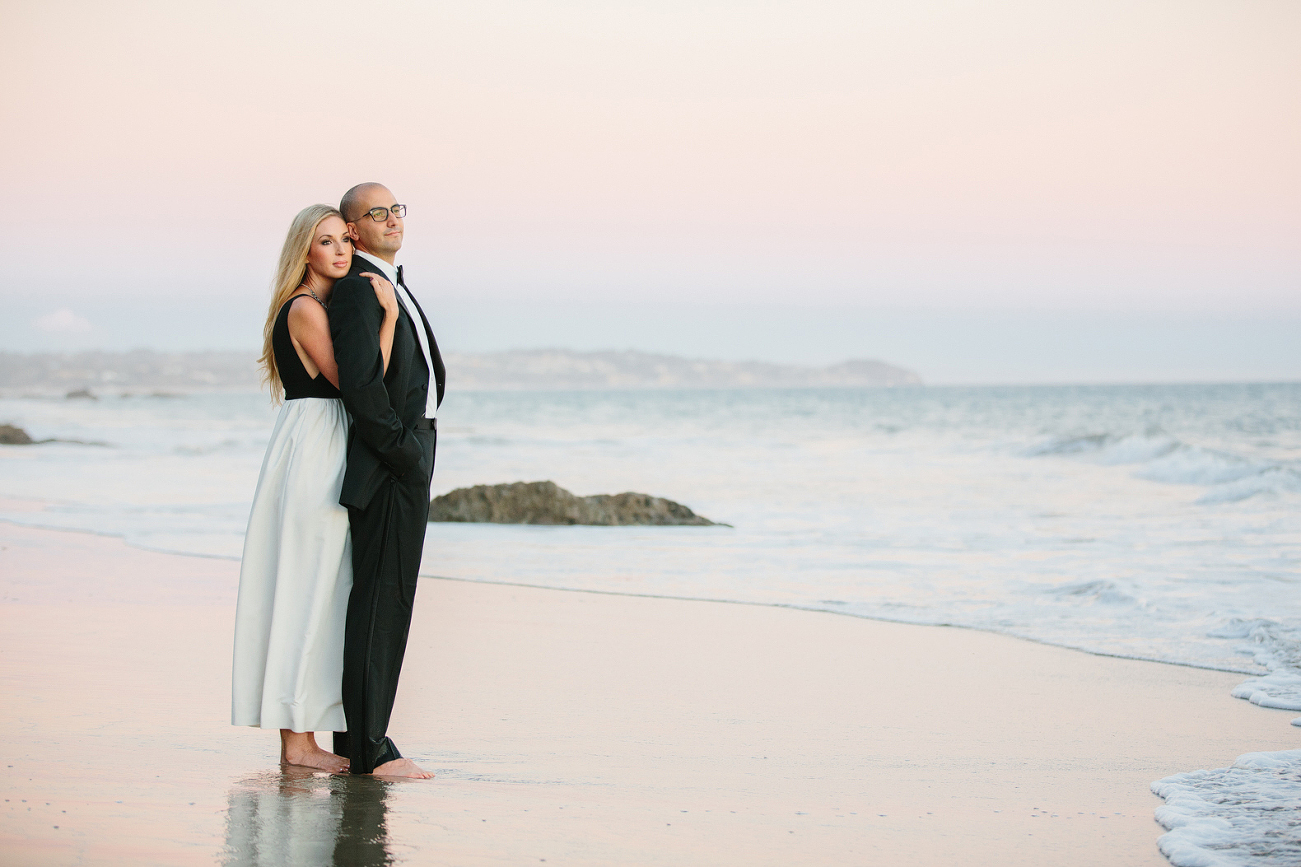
<point>145,372</point>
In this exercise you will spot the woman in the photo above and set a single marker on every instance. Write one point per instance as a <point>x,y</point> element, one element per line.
<point>297,567</point>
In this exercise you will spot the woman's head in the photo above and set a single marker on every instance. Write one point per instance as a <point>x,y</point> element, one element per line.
<point>318,247</point>
<point>302,248</point>
<point>329,250</point>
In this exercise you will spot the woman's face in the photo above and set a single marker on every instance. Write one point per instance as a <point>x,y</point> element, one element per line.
<point>330,254</point>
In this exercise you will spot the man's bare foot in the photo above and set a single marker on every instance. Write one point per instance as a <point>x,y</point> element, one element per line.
<point>403,768</point>
<point>300,748</point>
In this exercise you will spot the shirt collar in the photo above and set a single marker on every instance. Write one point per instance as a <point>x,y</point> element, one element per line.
<point>389,271</point>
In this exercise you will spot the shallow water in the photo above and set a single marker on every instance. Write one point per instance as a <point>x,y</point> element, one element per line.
<point>296,818</point>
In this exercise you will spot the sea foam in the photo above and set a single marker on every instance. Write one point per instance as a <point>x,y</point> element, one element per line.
<point>1275,646</point>
<point>1246,814</point>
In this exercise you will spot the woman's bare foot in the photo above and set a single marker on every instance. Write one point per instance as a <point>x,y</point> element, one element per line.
<point>403,768</point>
<point>299,748</point>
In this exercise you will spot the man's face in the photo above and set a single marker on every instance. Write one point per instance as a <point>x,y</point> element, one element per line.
<point>383,238</point>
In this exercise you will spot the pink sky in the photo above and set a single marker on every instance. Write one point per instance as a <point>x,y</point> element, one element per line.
<point>1097,156</point>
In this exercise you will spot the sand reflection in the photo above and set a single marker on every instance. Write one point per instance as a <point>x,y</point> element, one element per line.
<point>297,817</point>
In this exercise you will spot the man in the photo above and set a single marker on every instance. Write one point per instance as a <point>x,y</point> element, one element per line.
<point>386,482</point>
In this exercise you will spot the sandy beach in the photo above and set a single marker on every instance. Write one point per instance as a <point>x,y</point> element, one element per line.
<point>582,728</point>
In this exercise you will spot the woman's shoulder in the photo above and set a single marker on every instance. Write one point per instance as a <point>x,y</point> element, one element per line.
<point>293,301</point>
<point>305,310</point>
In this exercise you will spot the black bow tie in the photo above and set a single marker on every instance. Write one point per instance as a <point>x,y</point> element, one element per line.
<point>400,283</point>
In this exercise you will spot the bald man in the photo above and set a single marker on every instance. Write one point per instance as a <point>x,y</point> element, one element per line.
<point>386,483</point>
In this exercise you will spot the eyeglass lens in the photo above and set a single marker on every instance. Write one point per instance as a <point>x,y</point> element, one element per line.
<point>379,215</point>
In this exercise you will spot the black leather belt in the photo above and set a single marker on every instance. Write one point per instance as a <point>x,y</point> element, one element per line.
<point>427,424</point>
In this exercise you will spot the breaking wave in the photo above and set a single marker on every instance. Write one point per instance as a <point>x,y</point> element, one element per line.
<point>1100,591</point>
<point>1227,477</point>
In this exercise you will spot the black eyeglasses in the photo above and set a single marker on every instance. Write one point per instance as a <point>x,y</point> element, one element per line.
<point>379,215</point>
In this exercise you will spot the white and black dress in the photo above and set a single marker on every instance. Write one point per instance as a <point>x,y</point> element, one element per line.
<point>296,571</point>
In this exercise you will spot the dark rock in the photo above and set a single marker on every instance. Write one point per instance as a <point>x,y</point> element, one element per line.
<point>11,435</point>
<point>548,503</point>
<point>81,394</point>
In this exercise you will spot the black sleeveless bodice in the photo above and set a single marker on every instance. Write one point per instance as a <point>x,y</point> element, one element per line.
<point>293,376</point>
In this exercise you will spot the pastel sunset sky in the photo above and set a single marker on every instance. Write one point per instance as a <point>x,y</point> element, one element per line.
<point>1021,191</point>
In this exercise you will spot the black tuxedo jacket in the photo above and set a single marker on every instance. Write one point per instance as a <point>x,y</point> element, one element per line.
<point>385,406</point>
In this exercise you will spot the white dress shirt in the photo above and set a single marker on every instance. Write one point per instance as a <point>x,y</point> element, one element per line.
<point>391,273</point>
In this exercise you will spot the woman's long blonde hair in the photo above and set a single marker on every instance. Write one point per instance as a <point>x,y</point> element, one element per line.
<point>289,276</point>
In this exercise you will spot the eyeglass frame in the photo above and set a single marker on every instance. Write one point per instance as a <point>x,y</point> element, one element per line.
<point>385,212</point>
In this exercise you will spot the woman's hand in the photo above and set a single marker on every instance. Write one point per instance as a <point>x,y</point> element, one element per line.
<point>388,299</point>
<point>385,293</point>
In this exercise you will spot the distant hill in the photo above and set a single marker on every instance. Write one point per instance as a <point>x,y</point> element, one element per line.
<point>146,371</point>
<point>564,369</point>
<point>140,370</point>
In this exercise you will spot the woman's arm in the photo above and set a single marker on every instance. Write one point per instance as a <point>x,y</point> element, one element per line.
<point>387,297</point>
<point>309,329</point>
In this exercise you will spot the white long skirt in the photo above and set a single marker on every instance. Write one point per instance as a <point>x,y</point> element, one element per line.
<point>295,577</point>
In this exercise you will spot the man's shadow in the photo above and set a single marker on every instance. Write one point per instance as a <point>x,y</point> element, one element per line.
<point>297,817</point>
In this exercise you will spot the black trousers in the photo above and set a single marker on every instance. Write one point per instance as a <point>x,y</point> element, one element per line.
<point>387,538</point>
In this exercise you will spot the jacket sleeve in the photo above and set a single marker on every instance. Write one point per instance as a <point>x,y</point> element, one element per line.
<point>355,316</point>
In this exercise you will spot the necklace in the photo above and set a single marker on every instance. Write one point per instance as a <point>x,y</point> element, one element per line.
<point>312,292</point>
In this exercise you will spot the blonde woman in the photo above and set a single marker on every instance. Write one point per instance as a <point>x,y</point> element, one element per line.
<point>297,566</point>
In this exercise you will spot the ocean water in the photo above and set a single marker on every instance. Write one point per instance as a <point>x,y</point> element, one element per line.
<point>1155,522</point>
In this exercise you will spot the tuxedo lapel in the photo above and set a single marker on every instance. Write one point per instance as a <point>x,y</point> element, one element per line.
<point>360,266</point>
<point>401,361</point>
<point>434,355</point>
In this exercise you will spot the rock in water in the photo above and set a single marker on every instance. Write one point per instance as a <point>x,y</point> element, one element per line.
<point>548,503</point>
<point>633,508</point>
<point>11,435</point>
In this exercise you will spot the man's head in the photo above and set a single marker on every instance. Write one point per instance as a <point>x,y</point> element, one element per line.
<point>360,206</point>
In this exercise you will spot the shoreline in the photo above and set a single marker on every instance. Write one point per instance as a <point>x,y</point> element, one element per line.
<point>1244,672</point>
<point>588,728</point>
<point>790,606</point>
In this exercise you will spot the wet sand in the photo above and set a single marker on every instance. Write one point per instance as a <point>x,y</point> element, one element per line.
<point>576,728</point>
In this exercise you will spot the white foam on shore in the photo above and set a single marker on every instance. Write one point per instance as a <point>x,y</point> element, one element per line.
<point>1279,689</point>
<point>1276,647</point>
<point>1244,815</point>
